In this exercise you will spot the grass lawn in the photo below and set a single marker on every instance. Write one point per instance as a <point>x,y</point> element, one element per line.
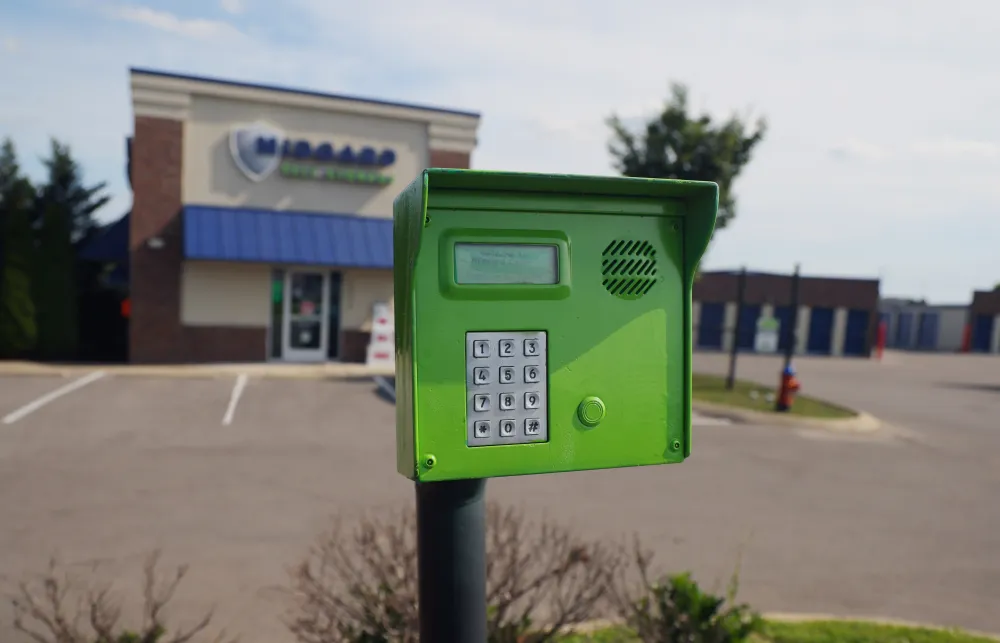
<point>816,632</point>
<point>748,395</point>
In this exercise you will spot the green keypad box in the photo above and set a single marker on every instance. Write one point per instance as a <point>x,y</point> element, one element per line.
<point>543,322</point>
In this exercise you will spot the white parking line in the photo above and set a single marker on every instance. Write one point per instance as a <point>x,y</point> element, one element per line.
<point>33,406</point>
<point>234,399</point>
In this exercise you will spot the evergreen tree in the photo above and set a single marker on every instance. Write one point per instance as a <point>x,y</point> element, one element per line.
<point>18,331</point>
<point>64,211</point>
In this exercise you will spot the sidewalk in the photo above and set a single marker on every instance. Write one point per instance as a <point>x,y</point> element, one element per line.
<point>326,370</point>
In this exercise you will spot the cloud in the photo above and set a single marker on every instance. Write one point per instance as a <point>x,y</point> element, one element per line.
<point>844,81</point>
<point>196,28</point>
<point>953,149</point>
<point>234,7</point>
<point>854,148</point>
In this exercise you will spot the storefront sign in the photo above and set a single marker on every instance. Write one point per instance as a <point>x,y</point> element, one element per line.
<point>259,149</point>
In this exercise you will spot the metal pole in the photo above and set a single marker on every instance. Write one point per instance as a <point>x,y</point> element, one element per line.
<point>451,561</point>
<point>741,286</point>
<point>794,321</point>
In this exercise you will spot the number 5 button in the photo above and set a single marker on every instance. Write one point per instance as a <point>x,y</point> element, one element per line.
<point>531,374</point>
<point>506,374</point>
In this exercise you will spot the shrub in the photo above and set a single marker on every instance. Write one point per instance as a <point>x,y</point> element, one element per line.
<point>361,587</point>
<point>674,609</point>
<point>54,608</point>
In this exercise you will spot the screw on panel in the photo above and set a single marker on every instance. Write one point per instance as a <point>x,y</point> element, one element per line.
<point>676,445</point>
<point>430,461</point>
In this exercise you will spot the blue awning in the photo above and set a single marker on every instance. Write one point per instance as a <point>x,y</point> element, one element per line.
<point>281,236</point>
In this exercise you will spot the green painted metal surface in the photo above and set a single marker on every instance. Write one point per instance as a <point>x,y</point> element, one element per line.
<point>618,321</point>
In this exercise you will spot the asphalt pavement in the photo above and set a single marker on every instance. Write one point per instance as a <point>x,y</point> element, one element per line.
<point>903,524</point>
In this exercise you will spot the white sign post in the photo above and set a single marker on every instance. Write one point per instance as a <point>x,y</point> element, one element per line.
<point>382,346</point>
<point>766,339</point>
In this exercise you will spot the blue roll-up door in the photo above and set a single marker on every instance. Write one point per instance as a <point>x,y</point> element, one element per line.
<point>784,316</point>
<point>856,333</point>
<point>904,331</point>
<point>820,339</point>
<point>746,327</point>
<point>710,325</point>
<point>927,331</point>
<point>982,334</point>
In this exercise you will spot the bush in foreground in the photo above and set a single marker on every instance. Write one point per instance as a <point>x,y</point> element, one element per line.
<point>361,586</point>
<point>56,607</point>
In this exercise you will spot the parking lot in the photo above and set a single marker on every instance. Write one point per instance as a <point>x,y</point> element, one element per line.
<point>236,475</point>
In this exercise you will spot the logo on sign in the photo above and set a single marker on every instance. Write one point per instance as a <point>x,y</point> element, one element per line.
<point>244,146</point>
<point>258,149</point>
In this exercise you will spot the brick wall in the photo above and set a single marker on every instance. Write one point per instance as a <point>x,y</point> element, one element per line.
<point>444,158</point>
<point>154,327</point>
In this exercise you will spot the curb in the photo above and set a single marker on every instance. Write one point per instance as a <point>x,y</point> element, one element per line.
<point>862,423</point>
<point>588,627</point>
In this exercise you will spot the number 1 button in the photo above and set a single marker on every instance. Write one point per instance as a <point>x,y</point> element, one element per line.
<point>480,348</point>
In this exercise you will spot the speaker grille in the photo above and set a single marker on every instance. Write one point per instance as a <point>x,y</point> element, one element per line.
<point>629,268</point>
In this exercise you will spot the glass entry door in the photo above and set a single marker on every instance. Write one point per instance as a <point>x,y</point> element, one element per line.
<point>305,332</point>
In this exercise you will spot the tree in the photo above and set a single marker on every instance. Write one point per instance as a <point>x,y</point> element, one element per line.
<point>677,145</point>
<point>64,211</point>
<point>18,331</point>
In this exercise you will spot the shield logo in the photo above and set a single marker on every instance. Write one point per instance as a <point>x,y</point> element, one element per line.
<point>256,149</point>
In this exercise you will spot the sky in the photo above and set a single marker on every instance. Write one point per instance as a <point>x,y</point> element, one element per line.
<point>882,157</point>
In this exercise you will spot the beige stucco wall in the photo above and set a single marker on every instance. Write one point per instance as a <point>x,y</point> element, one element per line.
<point>225,294</point>
<point>360,291</point>
<point>237,294</point>
<point>211,176</point>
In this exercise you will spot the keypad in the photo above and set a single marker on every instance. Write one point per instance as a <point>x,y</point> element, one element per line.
<point>506,386</point>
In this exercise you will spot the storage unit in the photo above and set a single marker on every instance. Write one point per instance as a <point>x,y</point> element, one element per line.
<point>746,327</point>
<point>856,333</point>
<point>982,333</point>
<point>820,331</point>
<point>710,325</point>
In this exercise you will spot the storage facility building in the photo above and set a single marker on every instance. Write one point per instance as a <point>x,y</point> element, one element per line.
<point>836,316</point>
<point>984,320</point>
<point>261,224</point>
<point>917,325</point>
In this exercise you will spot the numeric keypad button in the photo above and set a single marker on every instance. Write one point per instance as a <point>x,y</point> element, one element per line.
<point>532,426</point>
<point>482,428</point>
<point>506,428</point>
<point>506,348</point>
<point>507,401</point>
<point>532,400</point>
<point>530,347</point>
<point>506,374</point>
<point>480,348</point>
<point>481,376</point>
<point>481,403</point>
<point>532,374</point>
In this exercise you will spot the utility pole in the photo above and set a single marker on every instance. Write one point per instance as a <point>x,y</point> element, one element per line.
<point>741,286</point>
<point>782,402</point>
<point>794,321</point>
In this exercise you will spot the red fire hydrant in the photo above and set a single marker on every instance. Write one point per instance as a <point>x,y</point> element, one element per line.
<point>789,387</point>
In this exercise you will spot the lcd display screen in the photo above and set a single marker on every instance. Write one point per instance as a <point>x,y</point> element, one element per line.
<point>488,263</point>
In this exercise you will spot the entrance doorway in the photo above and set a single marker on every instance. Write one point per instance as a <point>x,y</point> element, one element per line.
<point>310,315</point>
